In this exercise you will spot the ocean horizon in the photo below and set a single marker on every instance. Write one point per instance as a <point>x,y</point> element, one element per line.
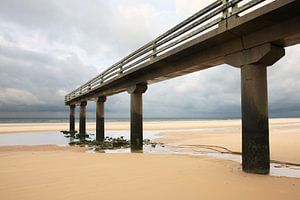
<point>62,120</point>
<point>65,120</point>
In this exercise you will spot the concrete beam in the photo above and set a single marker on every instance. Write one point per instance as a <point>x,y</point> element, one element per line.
<point>266,55</point>
<point>82,118</point>
<point>100,118</point>
<point>136,116</point>
<point>72,118</point>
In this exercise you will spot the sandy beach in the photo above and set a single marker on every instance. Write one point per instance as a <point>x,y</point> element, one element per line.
<point>148,125</point>
<point>115,126</point>
<point>51,172</point>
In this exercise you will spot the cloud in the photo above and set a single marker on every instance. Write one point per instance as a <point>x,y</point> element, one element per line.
<point>187,8</point>
<point>284,84</point>
<point>11,97</point>
<point>45,76</point>
<point>48,48</point>
<point>214,92</point>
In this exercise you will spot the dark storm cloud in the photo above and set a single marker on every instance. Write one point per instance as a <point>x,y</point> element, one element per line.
<point>37,81</point>
<point>48,48</point>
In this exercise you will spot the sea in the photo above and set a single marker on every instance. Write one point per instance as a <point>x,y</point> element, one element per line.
<point>64,120</point>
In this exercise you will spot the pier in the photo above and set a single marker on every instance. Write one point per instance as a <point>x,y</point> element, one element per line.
<point>250,35</point>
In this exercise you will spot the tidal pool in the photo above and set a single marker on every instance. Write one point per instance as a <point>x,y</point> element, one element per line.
<point>54,138</point>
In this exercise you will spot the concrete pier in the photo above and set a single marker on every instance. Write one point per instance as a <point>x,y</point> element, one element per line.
<point>250,41</point>
<point>100,118</point>
<point>72,119</point>
<point>136,116</point>
<point>82,118</point>
<point>255,123</point>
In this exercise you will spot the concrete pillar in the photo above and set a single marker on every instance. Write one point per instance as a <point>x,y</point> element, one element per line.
<point>255,124</point>
<point>100,118</point>
<point>82,118</point>
<point>136,116</point>
<point>72,118</point>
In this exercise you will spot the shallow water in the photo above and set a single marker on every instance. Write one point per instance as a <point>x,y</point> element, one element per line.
<point>54,138</point>
<point>51,138</point>
<point>38,138</point>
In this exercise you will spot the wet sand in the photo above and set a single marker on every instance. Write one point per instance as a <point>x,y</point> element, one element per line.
<point>60,174</point>
<point>284,138</point>
<point>50,172</point>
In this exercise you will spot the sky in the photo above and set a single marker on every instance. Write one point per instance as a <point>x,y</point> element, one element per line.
<point>49,48</point>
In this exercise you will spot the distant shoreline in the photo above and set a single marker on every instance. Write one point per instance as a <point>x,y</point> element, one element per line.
<point>165,124</point>
<point>91,120</point>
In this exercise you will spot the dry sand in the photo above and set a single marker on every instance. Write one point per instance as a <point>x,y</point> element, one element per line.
<point>148,125</point>
<point>114,126</point>
<point>50,172</point>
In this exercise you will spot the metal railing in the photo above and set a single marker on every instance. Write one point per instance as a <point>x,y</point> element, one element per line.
<point>203,21</point>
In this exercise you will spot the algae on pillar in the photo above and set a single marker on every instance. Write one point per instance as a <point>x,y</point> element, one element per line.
<point>100,118</point>
<point>255,123</point>
<point>136,116</point>
<point>72,119</point>
<point>82,118</point>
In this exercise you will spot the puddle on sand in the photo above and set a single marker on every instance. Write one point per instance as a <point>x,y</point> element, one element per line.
<point>53,138</point>
<point>38,138</point>
<point>279,170</point>
<point>275,169</point>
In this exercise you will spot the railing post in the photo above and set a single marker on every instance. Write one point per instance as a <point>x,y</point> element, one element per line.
<point>225,12</point>
<point>100,118</point>
<point>121,68</point>
<point>154,50</point>
<point>101,79</point>
<point>136,116</point>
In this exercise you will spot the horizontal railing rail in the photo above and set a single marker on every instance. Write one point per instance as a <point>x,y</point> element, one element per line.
<point>203,21</point>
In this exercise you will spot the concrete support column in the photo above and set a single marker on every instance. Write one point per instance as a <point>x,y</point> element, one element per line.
<point>72,118</point>
<point>136,116</point>
<point>100,118</point>
<point>82,118</point>
<point>255,123</point>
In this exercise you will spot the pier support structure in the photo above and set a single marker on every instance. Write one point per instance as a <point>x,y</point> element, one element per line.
<point>72,119</point>
<point>255,123</point>
<point>100,118</point>
<point>136,116</point>
<point>82,118</point>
